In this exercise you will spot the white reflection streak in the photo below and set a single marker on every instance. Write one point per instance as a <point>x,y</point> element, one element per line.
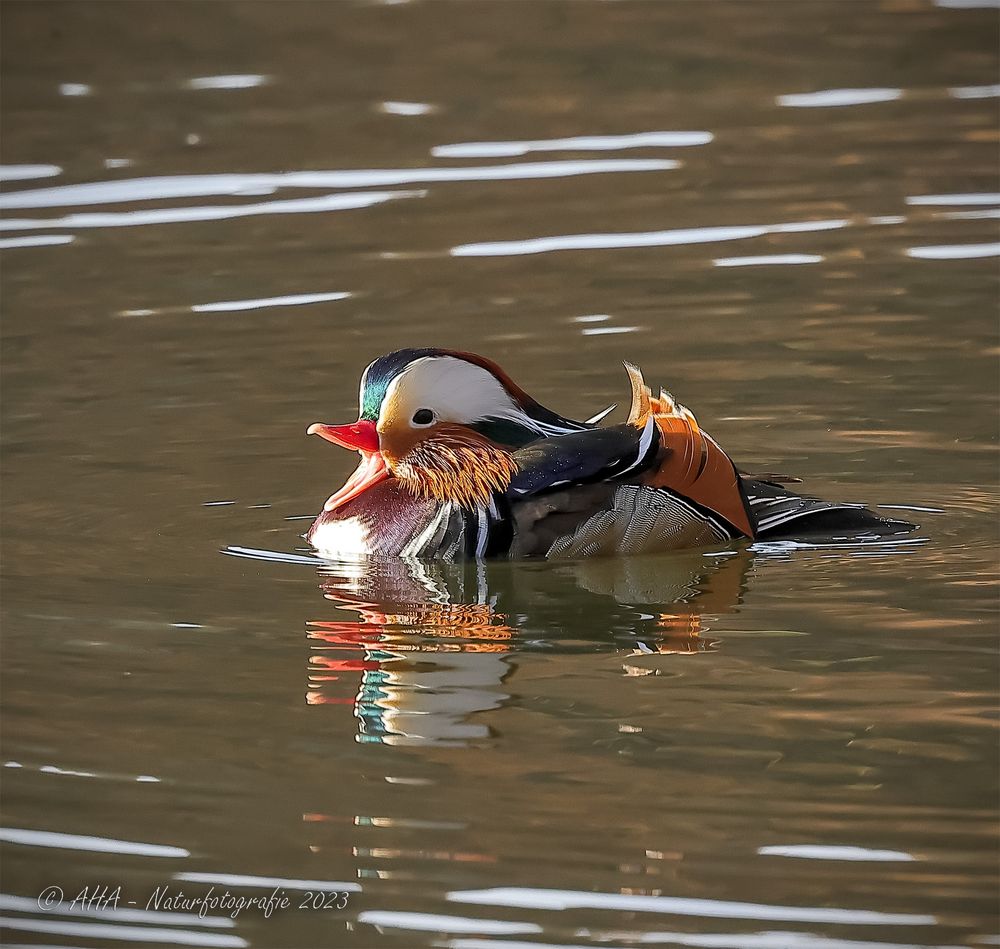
<point>200,186</point>
<point>819,852</point>
<point>46,838</point>
<point>298,299</point>
<point>247,81</point>
<point>530,898</point>
<point>175,937</point>
<point>695,235</point>
<point>969,198</point>
<point>431,922</point>
<point>329,202</point>
<point>968,4</point>
<point>578,143</point>
<point>27,172</point>
<point>838,97</point>
<point>954,251</point>
<point>29,904</point>
<point>982,214</point>
<point>39,240</point>
<point>764,940</point>
<point>767,259</point>
<point>609,330</point>
<point>236,879</point>
<point>406,108</point>
<point>75,89</point>
<point>975,92</point>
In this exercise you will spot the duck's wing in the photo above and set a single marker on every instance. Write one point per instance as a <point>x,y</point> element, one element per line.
<point>563,481</point>
<point>586,493</point>
<point>582,458</point>
<point>778,512</point>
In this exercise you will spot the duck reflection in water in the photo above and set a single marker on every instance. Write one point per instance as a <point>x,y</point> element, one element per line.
<point>434,643</point>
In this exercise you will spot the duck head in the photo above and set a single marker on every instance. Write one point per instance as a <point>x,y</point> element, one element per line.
<point>443,422</point>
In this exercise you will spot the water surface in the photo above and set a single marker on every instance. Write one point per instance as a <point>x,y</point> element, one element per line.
<point>214,215</point>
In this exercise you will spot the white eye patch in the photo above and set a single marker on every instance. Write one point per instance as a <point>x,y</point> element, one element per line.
<point>453,390</point>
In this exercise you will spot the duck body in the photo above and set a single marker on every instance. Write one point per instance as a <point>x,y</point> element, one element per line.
<point>458,462</point>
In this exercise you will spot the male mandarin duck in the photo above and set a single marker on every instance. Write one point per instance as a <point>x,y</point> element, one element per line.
<point>458,461</point>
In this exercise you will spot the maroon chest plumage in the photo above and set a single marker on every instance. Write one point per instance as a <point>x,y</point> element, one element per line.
<point>380,521</point>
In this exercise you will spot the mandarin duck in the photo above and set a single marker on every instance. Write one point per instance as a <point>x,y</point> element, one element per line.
<point>458,461</point>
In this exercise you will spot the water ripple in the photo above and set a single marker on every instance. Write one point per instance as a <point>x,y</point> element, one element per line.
<point>38,240</point>
<point>29,904</point>
<point>838,97</point>
<point>768,259</point>
<point>27,172</point>
<point>967,198</point>
<point>297,299</point>
<point>146,934</point>
<point>975,92</point>
<point>693,235</point>
<point>531,898</point>
<point>954,251</point>
<point>431,922</point>
<point>577,143</point>
<point>818,852</point>
<point>46,838</point>
<point>199,186</point>
<point>406,108</point>
<point>267,883</point>
<point>329,202</point>
<point>243,81</point>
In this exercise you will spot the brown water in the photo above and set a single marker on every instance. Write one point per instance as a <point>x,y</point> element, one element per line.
<point>667,751</point>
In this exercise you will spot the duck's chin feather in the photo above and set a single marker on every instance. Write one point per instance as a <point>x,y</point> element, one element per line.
<point>465,468</point>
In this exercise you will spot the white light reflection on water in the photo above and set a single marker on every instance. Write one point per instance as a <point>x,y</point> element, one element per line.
<point>975,92</point>
<point>531,898</point>
<point>165,187</point>
<point>609,330</point>
<point>827,98</point>
<point>38,240</point>
<point>46,838</point>
<point>247,81</point>
<point>75,89</point>
<point>406,108</point>
<point>767,259</point>
<point>968,198</point>
<point>818,852</point>
<point>954,251</point>
<point>764,940</point>
<point>28,172</point>
<point>694,235</point>
<point>147,934</point>
<point>298,299</point>
<point>121,914</point>
<point>430,922</point>
<point>267,883</point>
<point>984,214</point>
<point>329,202</point>
<point>577,143</point>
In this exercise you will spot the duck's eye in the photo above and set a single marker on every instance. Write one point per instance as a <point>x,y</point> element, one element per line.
<point>423,417</point>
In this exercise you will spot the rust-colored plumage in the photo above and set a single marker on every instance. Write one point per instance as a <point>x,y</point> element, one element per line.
<point>456,464</point>
<point>694,465</point>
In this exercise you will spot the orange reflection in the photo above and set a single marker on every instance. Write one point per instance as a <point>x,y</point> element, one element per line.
<point>427,647</point>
